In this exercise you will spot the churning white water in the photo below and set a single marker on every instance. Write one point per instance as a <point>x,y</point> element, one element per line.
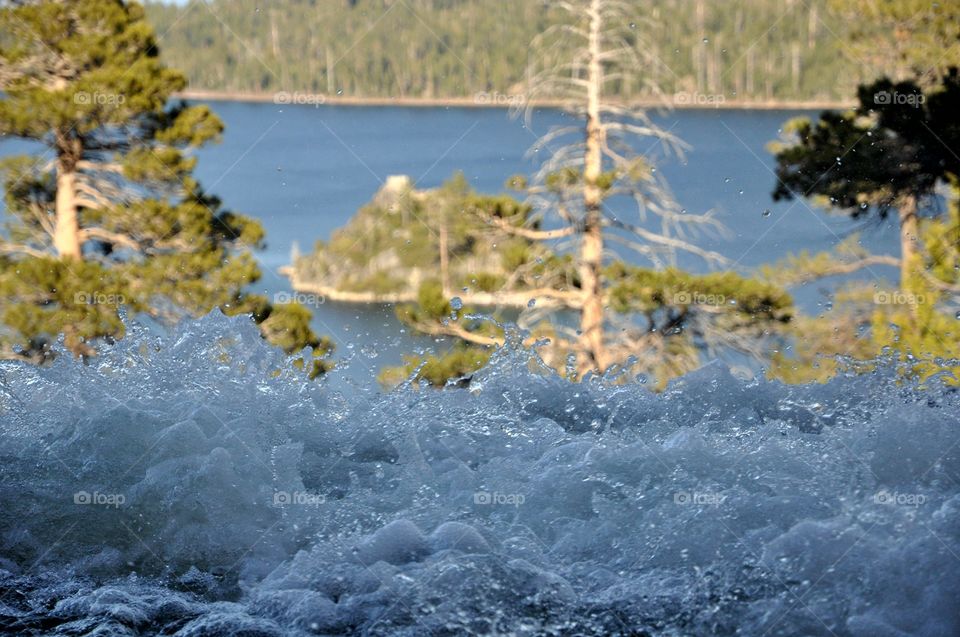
<point>181,487</point>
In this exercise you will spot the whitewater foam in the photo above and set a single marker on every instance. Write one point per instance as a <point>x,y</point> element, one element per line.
<point>196,485</point>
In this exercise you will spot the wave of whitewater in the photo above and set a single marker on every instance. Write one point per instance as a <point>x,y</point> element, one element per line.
<point>180,487</point>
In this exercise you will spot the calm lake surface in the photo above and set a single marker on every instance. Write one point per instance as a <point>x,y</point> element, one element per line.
<point>304,171</point>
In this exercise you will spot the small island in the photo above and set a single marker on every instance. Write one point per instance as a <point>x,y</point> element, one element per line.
<point>452,235</point>
<point>440,254</point>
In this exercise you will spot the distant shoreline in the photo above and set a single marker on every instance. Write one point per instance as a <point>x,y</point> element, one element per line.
<point>495,100</point>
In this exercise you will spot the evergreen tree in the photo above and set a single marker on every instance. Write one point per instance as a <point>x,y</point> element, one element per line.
<point>904,39</point>
<point>888,155</point>
<point>110,214</point>
<point>892,154</point>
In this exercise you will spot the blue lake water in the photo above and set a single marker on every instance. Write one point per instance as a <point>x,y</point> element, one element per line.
<point>304,171</point>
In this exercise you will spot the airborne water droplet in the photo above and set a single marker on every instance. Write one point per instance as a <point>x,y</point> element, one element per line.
<point>456,303</point>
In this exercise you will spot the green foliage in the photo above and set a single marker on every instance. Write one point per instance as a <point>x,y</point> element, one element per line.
<point>431,306</point>
<point>461,48</point>
<point>920,328</point>
<point>483,281</point>
<point>79,301</point>
<point>379,282</point>
<point>634,289</point>
<point>84,79</point>
<point>393,243</point>
<point>905,155</point>
<point>670,312</point>
<point>456,365</point>
<point>432,302</point>
<point>514,253</point>
<point>896,144</point>
<point>675,314</point>
<point>914,38</point>
<point>288,326</point>
<point>459,362</point>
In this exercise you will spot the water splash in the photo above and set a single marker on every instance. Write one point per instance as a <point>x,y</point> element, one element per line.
<point>197,485</point>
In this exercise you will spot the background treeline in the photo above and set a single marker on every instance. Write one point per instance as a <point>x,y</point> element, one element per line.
<point>740,49</point>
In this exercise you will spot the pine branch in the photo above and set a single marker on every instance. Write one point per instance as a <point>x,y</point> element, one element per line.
<point>21,249</point>
<point>528,233</point>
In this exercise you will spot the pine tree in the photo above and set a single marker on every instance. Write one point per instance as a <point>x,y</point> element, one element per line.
<point>658,321</point>
<point>893,154</point>
<point>110,214</point>
<point>886,156</point>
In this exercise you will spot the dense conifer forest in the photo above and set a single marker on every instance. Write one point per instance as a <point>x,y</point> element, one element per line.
<point>747,50</point>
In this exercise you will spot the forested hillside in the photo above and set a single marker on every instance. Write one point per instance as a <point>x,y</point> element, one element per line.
<point>709,51</point>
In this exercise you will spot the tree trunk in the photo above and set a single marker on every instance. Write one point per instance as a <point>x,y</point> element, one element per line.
<point>67,231</point>
<point>331,85</point>
<point>699,51</point>
<point>909,238</point>
<point>591,344</point>
<point>445,260</point>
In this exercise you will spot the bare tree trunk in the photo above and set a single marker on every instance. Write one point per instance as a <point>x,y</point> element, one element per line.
<point>274,37</point>
<point>66,237</point>
<point>713,66</point>
<point>795,68</point>
<point>909,238</point>
<point>768,78</point>
<point>700,52</point>
<point>444,261</point>
<point>591,344</point>
<point>812,27</point>
<point>331,85</point>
